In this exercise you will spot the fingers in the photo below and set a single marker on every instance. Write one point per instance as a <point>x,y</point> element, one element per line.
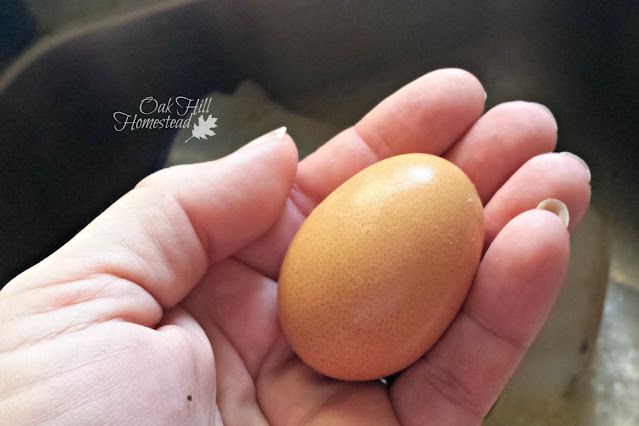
<point>427,115</point>
<point>516,284</point>
<point>162,235</point>
<point>494,148</point>
<point>502,141</point>
<point>559,176</point>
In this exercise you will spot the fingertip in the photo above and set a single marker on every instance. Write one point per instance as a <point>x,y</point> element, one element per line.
<point>539,223</point>
<point>575,158</point>
<point>556,207</point>
<point>464,77</point>
<point>277,159</point>
<point>544,176</point>
<point>272,153</point>
<point>545,113</point>
<point>572,182</point>
<point>538,117</point>
<point>539,233</point>
<point>466,82</point>
<point>290,156</point>
<point>552,232</point>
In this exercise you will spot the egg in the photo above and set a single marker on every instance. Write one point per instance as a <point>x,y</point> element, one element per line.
<point>380,268</point>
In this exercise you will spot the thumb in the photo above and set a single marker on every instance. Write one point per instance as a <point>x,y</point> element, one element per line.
<point>146,251</point>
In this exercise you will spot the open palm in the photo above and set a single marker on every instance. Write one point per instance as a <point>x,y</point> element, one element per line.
<point>164,309</point>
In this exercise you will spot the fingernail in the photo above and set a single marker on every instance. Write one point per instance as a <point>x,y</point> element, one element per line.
<point>581,160</point>
<point>557,207</point>
<point>272,136</point>
<point>545,108</point>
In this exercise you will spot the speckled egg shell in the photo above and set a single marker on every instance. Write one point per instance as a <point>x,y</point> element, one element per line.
<point>380,268</point>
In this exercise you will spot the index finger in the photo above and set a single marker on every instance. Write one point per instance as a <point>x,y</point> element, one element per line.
<point>427,115</point>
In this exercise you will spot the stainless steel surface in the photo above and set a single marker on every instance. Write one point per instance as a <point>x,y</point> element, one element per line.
<point>614,382</point>
<point>608,392</point>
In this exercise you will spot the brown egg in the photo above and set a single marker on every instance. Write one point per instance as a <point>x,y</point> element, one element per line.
<point>380,268</point>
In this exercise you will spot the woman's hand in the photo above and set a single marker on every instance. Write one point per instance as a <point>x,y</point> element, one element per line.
<point>163,310</point>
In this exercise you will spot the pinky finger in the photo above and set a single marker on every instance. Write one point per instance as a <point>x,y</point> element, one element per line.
<point>459,379</point>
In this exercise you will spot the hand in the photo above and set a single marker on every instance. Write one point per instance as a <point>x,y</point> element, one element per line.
<point>163,310</point>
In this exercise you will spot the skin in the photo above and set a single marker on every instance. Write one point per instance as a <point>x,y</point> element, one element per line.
<point>172,291</point>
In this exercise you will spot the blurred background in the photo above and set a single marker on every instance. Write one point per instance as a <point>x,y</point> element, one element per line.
<point>67,65</point>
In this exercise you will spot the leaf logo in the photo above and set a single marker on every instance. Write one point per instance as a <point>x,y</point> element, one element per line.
<point>203,128</point>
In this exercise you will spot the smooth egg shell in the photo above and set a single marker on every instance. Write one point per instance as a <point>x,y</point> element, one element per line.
<point>380,268</point>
